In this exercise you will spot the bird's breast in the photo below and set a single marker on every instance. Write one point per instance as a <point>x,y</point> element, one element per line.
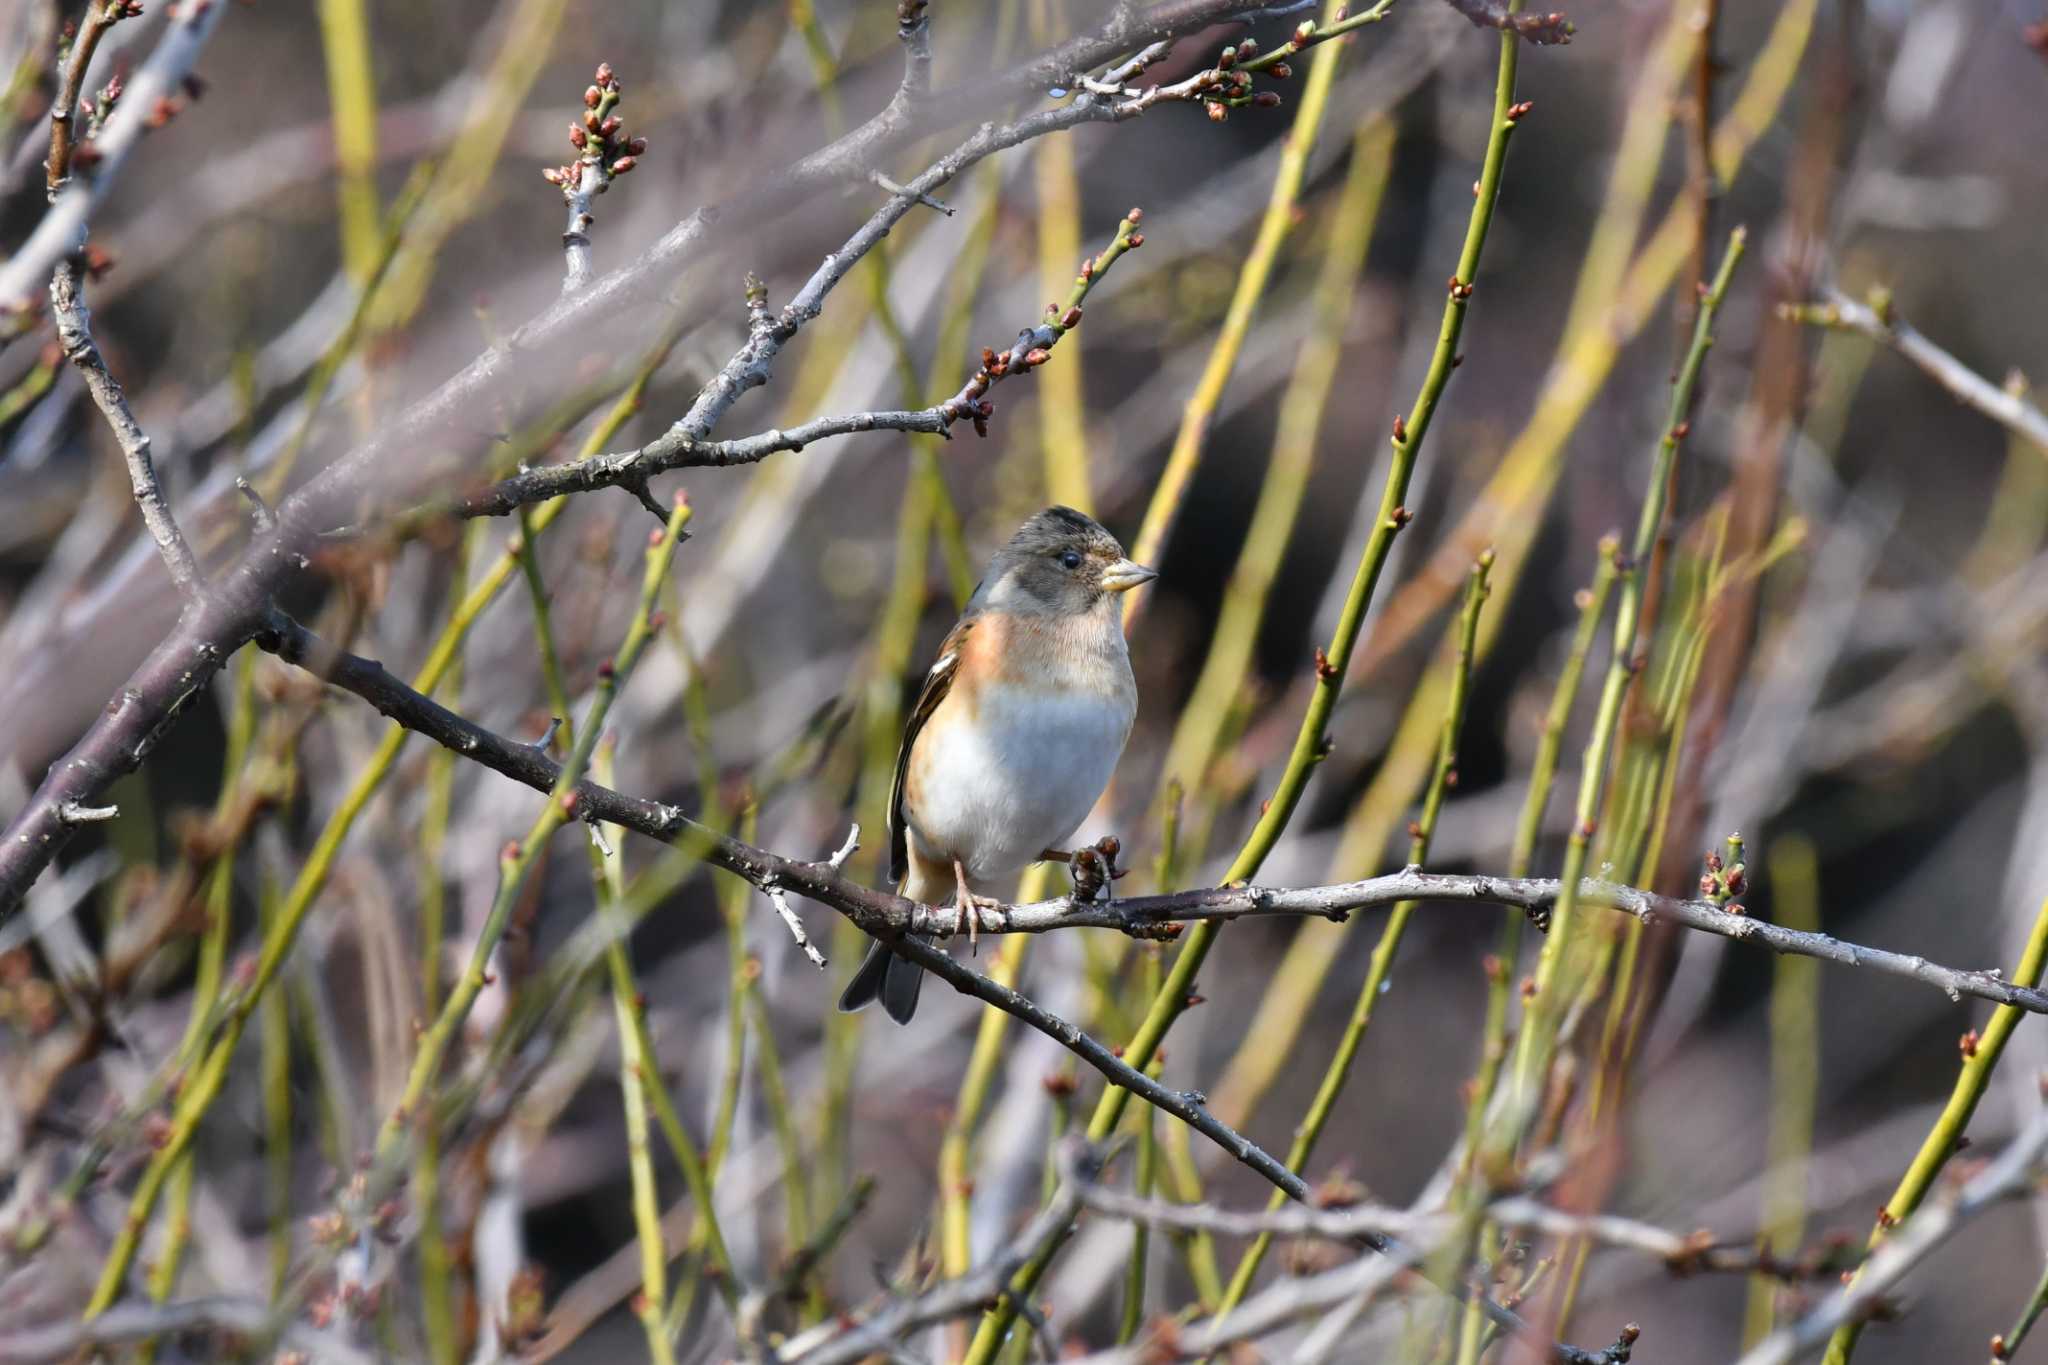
<point>1016,772</point>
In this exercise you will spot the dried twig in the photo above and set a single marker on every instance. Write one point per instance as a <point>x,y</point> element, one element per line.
<point>249,1320</point>
<point>848,1338</point>
<point>1681,1253</point>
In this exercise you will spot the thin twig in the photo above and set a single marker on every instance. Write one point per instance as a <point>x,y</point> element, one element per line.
<point>1681,1253</point>
<point>100,15</point>
<point>249,1320</point>
<point>74,334</point>
<point>2005,405</point>
<point>848,1339</point>
<point>682,446</point>
<point>780,900</point>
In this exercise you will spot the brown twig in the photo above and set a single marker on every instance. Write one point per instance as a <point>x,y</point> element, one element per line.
<point>100,15</point>
<point>1544,30</point>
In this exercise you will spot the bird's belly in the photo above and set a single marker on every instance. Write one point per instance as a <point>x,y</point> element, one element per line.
<point>1019,779</point>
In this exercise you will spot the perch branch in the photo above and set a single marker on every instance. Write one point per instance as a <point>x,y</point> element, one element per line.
<point>887,915</point>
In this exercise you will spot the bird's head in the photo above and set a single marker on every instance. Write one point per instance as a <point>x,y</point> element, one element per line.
<point>1061,562</point>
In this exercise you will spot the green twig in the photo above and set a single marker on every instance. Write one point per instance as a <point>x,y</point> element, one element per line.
<point>1543,1015</point>
<point>1464,634</point>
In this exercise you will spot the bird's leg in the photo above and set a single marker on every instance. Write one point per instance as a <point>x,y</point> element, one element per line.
<point>965,910</point>
<point>1055,855</point>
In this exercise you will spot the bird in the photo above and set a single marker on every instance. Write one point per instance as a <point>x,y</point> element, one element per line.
<point>1015,733</point>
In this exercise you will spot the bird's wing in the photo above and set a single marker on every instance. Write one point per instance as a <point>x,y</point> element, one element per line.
<point>937,683</point>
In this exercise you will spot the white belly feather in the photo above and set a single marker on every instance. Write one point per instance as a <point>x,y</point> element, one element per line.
<point>1022,778</point>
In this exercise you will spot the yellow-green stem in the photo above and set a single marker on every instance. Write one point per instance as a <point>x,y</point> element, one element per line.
<point>1795,1072</point>
<point>1980,1058</point>
<point>1464,633</point>
<point>1532,1047</point>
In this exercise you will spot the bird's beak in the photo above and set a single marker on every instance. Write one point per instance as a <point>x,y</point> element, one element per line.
<point>1123,575</point>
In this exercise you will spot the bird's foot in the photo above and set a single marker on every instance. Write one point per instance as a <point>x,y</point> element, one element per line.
<point>967,909</point>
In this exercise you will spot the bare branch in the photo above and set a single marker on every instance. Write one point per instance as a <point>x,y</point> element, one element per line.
<point>847,1339</point>
<point>1681,1253</point>
<point>74,334</point>
<point>2012,1173</point>
<point>100,15</point>
<point>780,900</point>
<point>247,1319</point>
<point>2006,405</point>
<point>893,917</point>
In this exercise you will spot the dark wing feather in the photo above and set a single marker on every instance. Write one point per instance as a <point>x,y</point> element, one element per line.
<point>937,683</point>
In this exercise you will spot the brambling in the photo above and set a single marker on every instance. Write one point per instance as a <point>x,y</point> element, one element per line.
<point>1015,733</point>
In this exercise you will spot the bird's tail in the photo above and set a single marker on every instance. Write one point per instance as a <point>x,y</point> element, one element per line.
<point>883,975</point>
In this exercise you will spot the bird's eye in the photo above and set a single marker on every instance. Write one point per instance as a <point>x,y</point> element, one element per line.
<point>1071,558</point>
